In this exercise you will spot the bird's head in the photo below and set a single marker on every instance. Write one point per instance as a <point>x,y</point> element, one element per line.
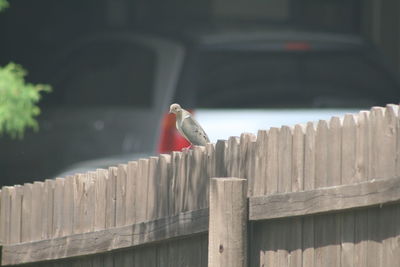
<point>175,108</point>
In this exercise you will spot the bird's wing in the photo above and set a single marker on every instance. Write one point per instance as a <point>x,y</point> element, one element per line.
<point>192,130</point>
<point>179,127</point>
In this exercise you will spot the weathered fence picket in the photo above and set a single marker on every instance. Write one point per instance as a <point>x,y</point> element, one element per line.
<point>309,184</point>
<point>228,223</point>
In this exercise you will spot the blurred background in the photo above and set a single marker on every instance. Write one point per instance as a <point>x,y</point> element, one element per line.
<point>115,66</point>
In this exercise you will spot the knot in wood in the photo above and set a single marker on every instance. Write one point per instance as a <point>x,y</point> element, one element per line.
<point>221,248</point>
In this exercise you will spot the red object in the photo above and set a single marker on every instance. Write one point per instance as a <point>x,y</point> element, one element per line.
<point>297,46</point>
<point>171,139</point>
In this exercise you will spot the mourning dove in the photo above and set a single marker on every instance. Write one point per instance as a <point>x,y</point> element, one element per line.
<point>188,127</point>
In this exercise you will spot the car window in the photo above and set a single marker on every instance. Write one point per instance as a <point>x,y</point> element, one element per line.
<point>106,74</point>
<point>232,79</point>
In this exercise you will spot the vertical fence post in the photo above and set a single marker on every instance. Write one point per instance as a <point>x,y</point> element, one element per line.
<point>228,222</point>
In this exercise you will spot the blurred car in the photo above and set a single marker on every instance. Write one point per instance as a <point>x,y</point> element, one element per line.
<point>238,82</point>
<point>113,92</point>
<point>109,92</point>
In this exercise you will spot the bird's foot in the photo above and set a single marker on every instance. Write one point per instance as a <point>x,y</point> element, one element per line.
<point>187,148</point>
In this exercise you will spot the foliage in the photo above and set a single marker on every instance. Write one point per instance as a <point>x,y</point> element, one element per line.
<point>18,101</point>
<point>3,5</point>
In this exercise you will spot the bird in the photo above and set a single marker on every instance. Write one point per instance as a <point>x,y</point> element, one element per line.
<point>188,127</point>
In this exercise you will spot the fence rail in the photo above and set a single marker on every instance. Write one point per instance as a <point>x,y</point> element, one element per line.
<point>182,225</point>
<point>329,199</point>
<point>291,171</point>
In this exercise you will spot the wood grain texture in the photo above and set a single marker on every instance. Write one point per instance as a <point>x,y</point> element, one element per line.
<point>163,184</point>
<point>308,241</point>
<point>347,238</point>
<point>210,161</point>
<point>58,207</point>
<point>259,184</point>
<point>228,222</point>
<point>334,152</point>
<point>232,157</point>
<point>185,224</point>
<point>360,238</point>
<point>45,197</point>
<point>48,208</point>
<point>100,204</point>
<point>379,166</point>
<point>388,224</point>
<point>189,253</point>
<point>391,139</point>
<point>151,190</point>
<point>181,182</point>
<point>309,157</point>
<point>162,252</point>
<point>67,211</point>
<point>349,150</point>
<point>272,161</point>
<point>123,258</point>
<point>90,209</point>
<point>111,183</point>
<point>284,185</point>
<point>120,202</point>
<point>362,146</point>
<point>203,185</point>
<point>84,195</point>
<point>295,235</point>
<point>309,184</point>
<point>328,199</point>
<point>326,240</point>
<point>247,159</point>
<point>349,174</point>
<point>172,189</point>
<point>15,218</point>
<point>27,211</point>
<point>363,174</point>
<point>397,138</point>
<point>295,242</point>
<point>378,142</point>
<point>334,249</point>
<point>145,257</point>
<point>374,246</point>
<point>321,234</point>
<point>259,243</point>
<point>6,192</point>
<point>273,244</point>
<point>197,180</point>
<point>285,159</point>
<point>251,164</point>
<point>37,206</point>
<point>220,161</point>
<point>132,172</point>
<point>321,154</point>
<point>391,234</point>
<point>298,159</point>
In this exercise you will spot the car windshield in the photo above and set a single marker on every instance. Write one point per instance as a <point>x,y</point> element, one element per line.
<point>106,74</point>
<point>292,80</point>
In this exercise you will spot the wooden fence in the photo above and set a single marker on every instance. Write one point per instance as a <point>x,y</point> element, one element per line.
<point>318,196</point>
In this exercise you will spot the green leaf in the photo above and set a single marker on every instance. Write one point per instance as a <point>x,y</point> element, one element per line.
<point>3,5</point>
<point>18,101</point>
